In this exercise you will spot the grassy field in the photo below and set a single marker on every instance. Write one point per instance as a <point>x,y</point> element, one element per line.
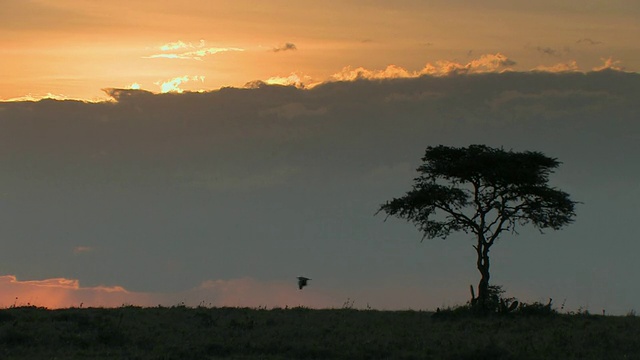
<point>298,333</point>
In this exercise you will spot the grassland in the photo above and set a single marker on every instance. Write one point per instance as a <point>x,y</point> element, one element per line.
<point>298,333</point>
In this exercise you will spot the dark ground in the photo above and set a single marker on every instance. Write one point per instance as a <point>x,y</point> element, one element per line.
<point>299,333</point>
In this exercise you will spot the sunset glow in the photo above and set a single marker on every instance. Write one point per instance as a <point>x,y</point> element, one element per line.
<point>61,293</point>
<point>74,48</point>
<point>64,293</point>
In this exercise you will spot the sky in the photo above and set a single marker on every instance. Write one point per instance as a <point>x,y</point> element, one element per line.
<point>76,48</point>
<point>208,153</point>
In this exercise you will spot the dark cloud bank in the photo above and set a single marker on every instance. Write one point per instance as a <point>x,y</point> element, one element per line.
<point>274,182</point>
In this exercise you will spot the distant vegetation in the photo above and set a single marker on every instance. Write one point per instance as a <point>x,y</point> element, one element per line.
<point>180,332</point>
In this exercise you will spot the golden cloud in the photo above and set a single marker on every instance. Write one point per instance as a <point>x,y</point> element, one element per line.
<point>390,72</point>
<point>177,45</point>
<point>484,64</point>
<point>560,67</point>
<point>197,53</point>
<point>173,85</point>
<point>609,64</point>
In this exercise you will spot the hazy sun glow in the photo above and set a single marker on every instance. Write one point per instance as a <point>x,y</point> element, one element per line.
<point>60,293</point>
<point>64,293</point>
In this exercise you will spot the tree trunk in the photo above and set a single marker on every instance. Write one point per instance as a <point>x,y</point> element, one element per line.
<point>483,288</point>
<point>483,266</point>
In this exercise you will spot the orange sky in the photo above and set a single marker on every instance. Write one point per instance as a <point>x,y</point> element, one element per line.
<point>75,48</point>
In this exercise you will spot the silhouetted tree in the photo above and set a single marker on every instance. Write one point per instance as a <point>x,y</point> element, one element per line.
<point>482,191</point>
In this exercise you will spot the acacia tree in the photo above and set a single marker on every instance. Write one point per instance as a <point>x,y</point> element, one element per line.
<point>482,191</point>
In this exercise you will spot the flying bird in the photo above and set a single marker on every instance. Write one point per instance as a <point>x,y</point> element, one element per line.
<point>302,282</point>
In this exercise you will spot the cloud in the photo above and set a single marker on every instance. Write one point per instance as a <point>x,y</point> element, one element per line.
<point>31,97</point>
<point>560,67</point>
<point>294,110</point>
<point>547,51</point>
<point>121,95</point>
<point>59,293</point>
<point>173,85</point>
<point>255,182</point>
<point>523,101</point>
<point>197,52</point>
<point>82,249</point>
<point>487,63</point>
<point>484,64</point>
<point>179,45</point>
<point>286,47</point>
<point>552,52</point>
<point>192,55</point>
<point>490,63</point>
<point>609,64</point>
<point>360,73</point>
<point>588,41</point>
<point>297,80</point>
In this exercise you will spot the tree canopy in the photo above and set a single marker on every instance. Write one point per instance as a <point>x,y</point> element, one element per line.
<point>483,191</point>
